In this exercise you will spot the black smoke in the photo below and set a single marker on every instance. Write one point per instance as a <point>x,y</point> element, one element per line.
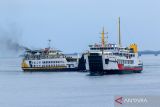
<point>10,41</point>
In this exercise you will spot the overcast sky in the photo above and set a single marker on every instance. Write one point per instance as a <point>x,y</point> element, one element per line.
<point>74,24</point>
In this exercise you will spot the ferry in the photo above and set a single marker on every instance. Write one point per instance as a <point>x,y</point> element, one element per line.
<point>109,58</point>
<point>49,59</point>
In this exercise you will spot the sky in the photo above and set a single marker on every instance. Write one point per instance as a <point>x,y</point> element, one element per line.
<point>74,24</point>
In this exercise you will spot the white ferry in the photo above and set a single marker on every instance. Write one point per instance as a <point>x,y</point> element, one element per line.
<point>49,59</point>
<point>107,58</point>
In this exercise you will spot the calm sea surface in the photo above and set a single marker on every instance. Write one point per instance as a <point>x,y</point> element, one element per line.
<point>73,89</point>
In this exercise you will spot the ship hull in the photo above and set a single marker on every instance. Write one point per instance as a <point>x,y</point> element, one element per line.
<point>124,71</point>
<point>48,69</point>
<point>107,72</point>
<point>99,65</point>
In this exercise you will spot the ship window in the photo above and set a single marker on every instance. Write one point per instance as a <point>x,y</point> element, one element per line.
<point>120,54</point>
<point>106,61</point>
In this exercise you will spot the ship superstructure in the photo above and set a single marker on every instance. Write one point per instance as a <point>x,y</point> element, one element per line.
<point>49,59</point>
<point>107,58</point>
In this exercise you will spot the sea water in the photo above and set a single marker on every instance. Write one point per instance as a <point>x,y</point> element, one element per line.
<point>73,89</point>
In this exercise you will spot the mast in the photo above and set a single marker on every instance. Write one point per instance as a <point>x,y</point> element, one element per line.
<point>103,38</point>
<point>119,33</point>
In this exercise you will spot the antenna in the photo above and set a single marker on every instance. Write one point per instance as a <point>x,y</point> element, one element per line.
<point>119,33</point>
<point>49,43</point>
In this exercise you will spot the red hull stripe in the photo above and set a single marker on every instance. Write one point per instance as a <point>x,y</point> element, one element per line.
<point>121,67</point>
<point>132,69</point>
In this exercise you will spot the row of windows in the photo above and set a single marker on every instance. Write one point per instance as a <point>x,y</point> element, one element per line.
<point>48,65</point>
<point>105,48</point>
<point>123,54</point>
<point>45,62</point>
<point>125,61</point>
<point>52,62</point>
